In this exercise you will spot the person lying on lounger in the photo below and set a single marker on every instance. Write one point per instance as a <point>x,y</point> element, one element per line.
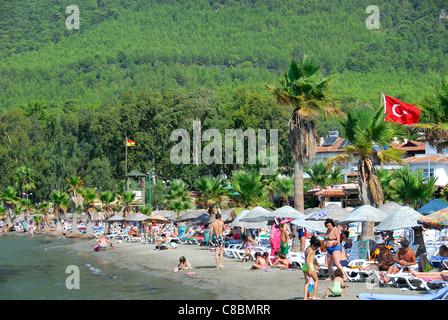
<point>435,275</point>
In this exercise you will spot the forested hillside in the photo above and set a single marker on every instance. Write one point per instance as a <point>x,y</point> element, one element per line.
<point>179,45</point>
<point>140,69</point>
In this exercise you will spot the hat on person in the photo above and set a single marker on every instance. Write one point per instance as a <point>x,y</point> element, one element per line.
<point>380,241</point>
<point>405,242</point>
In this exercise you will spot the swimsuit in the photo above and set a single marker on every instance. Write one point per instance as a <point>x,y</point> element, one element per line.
<point>337,247</point>
<point>284,249</point>
<point>337,288</point>
<point>305,267</point>
<point>219,241</point>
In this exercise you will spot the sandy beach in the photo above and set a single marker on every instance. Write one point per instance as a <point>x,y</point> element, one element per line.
<point>235,281</point>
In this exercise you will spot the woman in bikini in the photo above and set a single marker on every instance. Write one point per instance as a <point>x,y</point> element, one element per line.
<point>308,268</point>
<point>333,248</point>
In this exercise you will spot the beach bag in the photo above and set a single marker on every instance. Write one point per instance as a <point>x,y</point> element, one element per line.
<point>96,248</point>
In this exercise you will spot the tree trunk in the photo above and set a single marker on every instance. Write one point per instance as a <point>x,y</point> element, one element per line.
<point>298,201</point>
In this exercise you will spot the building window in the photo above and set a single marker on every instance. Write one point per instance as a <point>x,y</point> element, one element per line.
<point>425,173</point>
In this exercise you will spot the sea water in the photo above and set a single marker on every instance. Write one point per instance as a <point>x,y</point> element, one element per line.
<point>35,268</point>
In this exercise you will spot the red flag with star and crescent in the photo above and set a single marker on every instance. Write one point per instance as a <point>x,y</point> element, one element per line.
<point>400,112</point>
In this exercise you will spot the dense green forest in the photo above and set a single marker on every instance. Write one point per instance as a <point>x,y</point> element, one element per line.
<point>140,69</point>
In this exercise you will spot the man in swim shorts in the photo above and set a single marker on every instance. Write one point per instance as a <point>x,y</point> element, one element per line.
<point>284,240</point>
<point>217,227</point>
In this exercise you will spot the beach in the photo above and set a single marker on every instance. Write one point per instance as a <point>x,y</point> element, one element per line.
<point>233,282</point>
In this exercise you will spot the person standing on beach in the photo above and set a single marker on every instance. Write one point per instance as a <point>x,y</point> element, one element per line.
<point>309,270</point>
<point>217,227</point>
<point>284,238</point>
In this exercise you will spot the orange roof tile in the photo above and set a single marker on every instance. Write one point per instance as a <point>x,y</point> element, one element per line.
<point>432,158</point>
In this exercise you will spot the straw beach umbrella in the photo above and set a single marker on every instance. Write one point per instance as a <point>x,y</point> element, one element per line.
<point>256,215</point>
<point>433,206</point>
<point>311,225</point>
<point>332,211</point>
<point>191,214</point>
<point>365,213</point>
<point>137,217</point>
<point>286,212</point>
<point>115,218</point>
<point>249,225</point>
<point>389,207</point>
<point>400,218</point>
<point>158,219</point>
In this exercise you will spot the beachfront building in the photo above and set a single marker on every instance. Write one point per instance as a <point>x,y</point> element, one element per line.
<point>417,154</point>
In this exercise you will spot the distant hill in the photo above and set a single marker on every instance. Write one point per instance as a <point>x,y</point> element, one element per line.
<point>166,45</point>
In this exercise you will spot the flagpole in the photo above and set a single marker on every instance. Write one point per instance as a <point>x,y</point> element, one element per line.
<point>126,163</point>
<point>382,103</point>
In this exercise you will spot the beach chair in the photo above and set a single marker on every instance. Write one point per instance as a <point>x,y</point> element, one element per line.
<point>234,251</point>
<point>441,294</point>
<point>296,259</point>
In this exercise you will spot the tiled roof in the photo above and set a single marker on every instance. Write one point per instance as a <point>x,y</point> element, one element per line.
<point>331,193</point>
<point>410,146</point>
<point>424,158</point>
<point>333,148</point>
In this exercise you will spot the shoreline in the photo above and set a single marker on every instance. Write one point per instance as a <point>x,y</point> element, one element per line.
<point>234,282</point>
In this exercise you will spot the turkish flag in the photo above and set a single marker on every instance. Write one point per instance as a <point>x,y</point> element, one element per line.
<point>400,112</point>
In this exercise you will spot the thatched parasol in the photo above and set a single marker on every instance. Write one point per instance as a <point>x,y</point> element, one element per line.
<point>365,213</point>
<point>256,215</point>
<point>249,225</point>
<point>389,207</point>
<point>191,214</point>
<point>332,211</point>
<point>400,218</point>
<point>433,206</point>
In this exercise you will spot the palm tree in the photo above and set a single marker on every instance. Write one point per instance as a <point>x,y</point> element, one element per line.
<point>146,209</point>
<point>89,203</point>
<point>250,188</point>
<point>411,188</point>
<point>284,189</point>
<point>177,197</point>
<point>24,178</point>
<point>304,89</point>
<point>369,136</point>
<point>26,203</point>
<point>126,199</point>
<point>59,199</point>
<point>75,191</point>
<point>44,207</point>
<point>9,198</point>
<point>322,175</point>
<point>212,193</point>
<point>107,197</point>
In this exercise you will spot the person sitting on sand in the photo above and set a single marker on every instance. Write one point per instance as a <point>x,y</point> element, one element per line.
<point>280,261</point>
<point>260,262</point>
<point>183,264</point>
<point>267,258</point>
<point>102,243</point>
<point>339,286</point>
